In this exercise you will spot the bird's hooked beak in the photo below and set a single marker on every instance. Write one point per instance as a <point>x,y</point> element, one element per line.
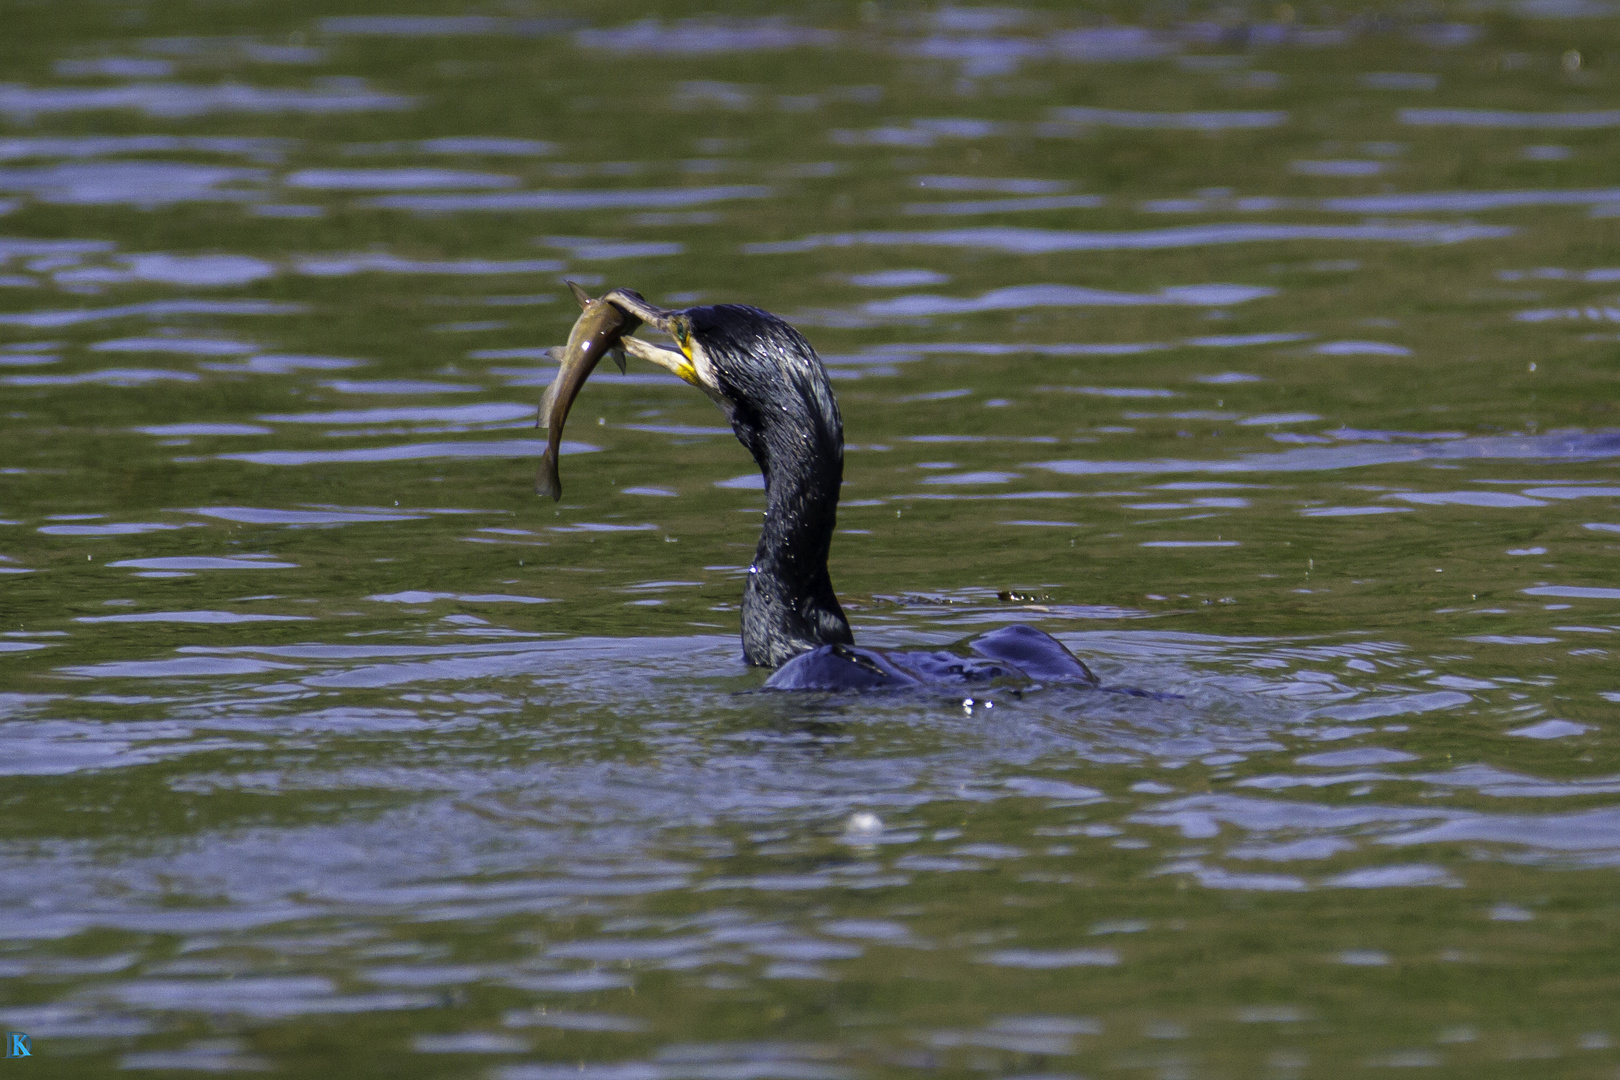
<point>688,363</point>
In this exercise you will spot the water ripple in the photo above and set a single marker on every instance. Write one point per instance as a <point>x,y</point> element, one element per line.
<point>181,100</point>
<point>1047,241</point>
<point>626,199</point>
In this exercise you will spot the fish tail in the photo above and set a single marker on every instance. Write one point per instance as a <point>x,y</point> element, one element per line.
<point>546,480</point>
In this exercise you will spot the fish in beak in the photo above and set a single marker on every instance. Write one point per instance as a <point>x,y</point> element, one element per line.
<point>597,332</point>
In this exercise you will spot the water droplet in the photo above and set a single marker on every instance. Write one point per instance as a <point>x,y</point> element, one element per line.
<point>863,823</point>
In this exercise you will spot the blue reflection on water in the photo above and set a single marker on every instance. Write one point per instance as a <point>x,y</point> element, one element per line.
<point>179,100</point>
<point>623,199</point>
<point>1045,241</point>
<point>1571,447</point>
<point>1501,118</point>
<point>509,448</point>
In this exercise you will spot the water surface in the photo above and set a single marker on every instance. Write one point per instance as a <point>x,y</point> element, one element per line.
<point>1265,360</point>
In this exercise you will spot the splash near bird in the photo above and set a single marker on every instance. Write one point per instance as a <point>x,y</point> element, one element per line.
<point>774,390</point>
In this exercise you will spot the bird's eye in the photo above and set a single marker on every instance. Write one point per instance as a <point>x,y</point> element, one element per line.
<point>683,336</point>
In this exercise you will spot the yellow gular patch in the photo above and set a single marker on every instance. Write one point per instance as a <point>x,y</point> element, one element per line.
<point>681,331</point>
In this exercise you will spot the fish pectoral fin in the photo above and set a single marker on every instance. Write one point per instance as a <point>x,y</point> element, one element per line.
<point>580,294</point>
<point>617,353</point>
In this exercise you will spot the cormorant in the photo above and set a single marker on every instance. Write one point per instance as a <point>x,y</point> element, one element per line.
<point>774,390</point>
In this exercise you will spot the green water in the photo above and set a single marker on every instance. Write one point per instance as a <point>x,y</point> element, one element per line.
<point>1265,356</point>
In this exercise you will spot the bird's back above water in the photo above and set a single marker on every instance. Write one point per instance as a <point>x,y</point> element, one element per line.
<point>1017,653</point>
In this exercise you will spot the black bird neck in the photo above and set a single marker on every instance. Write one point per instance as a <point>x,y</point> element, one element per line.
<point>789,606</point>
<point>780,403</point>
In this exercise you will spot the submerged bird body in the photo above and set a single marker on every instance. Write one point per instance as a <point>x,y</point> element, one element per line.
<point>1016,652</point>
<point>774,390</point>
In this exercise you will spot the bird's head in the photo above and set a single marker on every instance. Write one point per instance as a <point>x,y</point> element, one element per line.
<point>756,367</point>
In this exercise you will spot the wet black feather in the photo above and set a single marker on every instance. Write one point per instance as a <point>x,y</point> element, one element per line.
<point>776,393</point>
